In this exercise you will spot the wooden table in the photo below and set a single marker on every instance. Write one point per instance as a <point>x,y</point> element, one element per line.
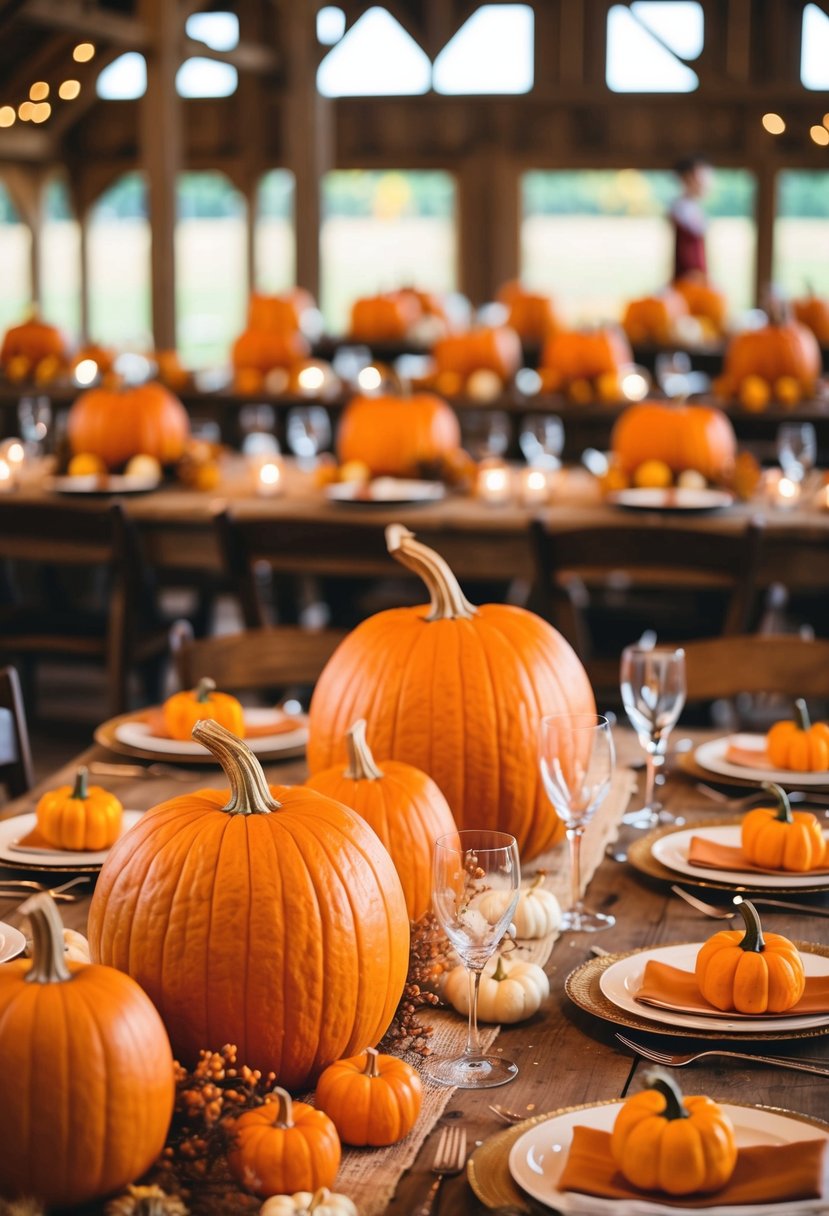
<point>565,1056</point>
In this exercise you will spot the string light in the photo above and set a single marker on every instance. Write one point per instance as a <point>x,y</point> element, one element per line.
<point>39,91</point>
<point>820,135</point>
<point>7,116</point>
<point>69,90</point>
<point>41,111</point>
<point>83,52</point>
<point>774,124</point>
<point>25,111</point>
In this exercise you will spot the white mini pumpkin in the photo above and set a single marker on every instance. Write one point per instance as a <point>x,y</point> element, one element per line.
<point>322,1203</point>
<point>537,913</point>
<point>75,946</point>
<point>508,992</point>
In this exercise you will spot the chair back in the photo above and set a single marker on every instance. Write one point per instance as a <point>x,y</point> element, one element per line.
<point>760,663</point>
<point>16,771</point>
<point>270,658</point>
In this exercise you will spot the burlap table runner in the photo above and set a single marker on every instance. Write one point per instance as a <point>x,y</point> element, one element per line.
<point>370,1176</point>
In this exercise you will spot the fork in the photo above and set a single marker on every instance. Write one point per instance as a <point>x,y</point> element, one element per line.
<point>23,886</point>
<point>102,769</point>
<point>679,1061</point>
<point>450,1158</point>
<point>728,914</point>
<point>734,802</point>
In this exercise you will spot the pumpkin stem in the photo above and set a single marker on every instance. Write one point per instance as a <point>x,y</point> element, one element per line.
<point>48,961</point>
<point>448,603</point>
<point>784,807</point>
<point>664,1084</point>
<point>284,1108</point>
<point>361,763</point>
<point>79,790</point>
<point>249,792</point>
<point>499,973</point>
<point>753,937</point>
<point>204,688</point>
<point>538,881</point>
<point>371,1069</point>
<point>318,1198</point>
<point>801,714</point>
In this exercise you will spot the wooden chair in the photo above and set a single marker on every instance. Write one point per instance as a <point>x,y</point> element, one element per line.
<point>269,658</point>
<point>40,619</point>
<point>786,664</point>
<point>16,771</point>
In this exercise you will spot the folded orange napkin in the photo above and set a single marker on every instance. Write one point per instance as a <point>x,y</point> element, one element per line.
<point>704,852</point>
<point>764,1174</point>
<point>749,757</point>
<point>280,724</point>
<point>672,988</point>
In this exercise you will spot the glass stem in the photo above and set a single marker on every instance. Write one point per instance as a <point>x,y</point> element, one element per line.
<point>653,763</point>
<point>574,836</point>
<point>473,1043</point>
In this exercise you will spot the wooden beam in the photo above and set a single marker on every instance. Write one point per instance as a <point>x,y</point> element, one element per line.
<point>88,21</point>
<point>25,142</point>
<point>246,56</point>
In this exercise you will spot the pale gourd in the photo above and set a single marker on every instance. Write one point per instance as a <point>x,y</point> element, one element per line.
<point>75,947</point>
<point>322,1203</point>
<point>508,992</point>
<point>537,913</point>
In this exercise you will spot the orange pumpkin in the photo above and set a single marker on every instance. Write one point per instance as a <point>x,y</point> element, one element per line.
<point>371,1098</point>
<point>282,312</point>
<point>780,349</point>
<point>117,424</point>
<point>87,1073</point>
<point>813,311</point>
<point>102,355</point>
<point>403,805</point>
<point>458,692</point>
<point>80,816</point>
<point>274,919</point>
<point>283,1146</point>
<point>397,436</point>
<point>654,318</point>
<point>532,316</point>
<point>583,355</point>
<point>704,301</point>
<point>681,436</point>
<point>262,350</point>
<point>384,318</point>
<point>184,709</point>
<point>799,745</point>
<point>750,971</point>
<point>778,838</point>
<point>33,340</point>
<point>497,349</point>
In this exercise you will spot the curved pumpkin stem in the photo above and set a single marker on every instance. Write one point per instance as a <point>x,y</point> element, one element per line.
<point>801,714</point>
<point>500,973</point>
<point>448,602</point>
<point>784,807</point>
<point>284,1108</point>
<point>79,791</point>
<point>48,960</point>
<point>371,1069</point>
<point>753,937</point>
<point>249,792</point>
<point>664,1084</point>
<point>361,763</point>
<point>318,1198</point>
<point>204,688</point>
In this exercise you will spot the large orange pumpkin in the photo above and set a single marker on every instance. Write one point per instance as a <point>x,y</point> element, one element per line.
<point>397,436</point>
<point>682,436</point>
<point>403,805</point>
<point>813,311</point>
<point>117,424</point>
<point>777,350</point>
<point>585,354</point>
<point>457,691</point>
<point>704,301</point>
<point>496,349</point>
<point>384,318</point>
<point>87,1074</point>
<point>269,918</point>
<point>33,340</point>
<point>654,318</point>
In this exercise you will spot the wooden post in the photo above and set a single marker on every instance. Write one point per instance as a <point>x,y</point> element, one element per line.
<point>489,223</point>
<point>161,140</point>
<point>83,251</point>
<point>25,186</point>
<point>766,206</point>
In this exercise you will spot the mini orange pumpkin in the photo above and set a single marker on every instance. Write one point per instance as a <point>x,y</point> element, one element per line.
<point>398,436</point>
<point>283,1146</point>
<point>653,318</point>
<point>749,971</point>
<point>783,348</point>
<point>80,817</point>
<point>261,350</point>
<point>813,311</point>
<point>584,355</point>
<point>778,838</point>
<point>799,745</point>
<point>704,301</point>
<point>387,317</point>
<point>371,1099</point>
<point>282,313</point>
<point>184,709</point>
<point>532,316</point>
<point>681,436</point>
<point>33,340</point>
<point>496,349</point>
<point>117,424</point>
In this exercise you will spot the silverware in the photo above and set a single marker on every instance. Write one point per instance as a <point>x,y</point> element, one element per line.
<point>798,796</point>
<point>101,769</point>
<point>504,1115</point>
<point>20,888</point>
<point>450,1158</point>
<point>679,1060</point>
<point>718,913</point>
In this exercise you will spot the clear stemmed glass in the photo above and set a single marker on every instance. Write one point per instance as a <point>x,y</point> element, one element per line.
<point>576,755</point>
<point>34,415</point>
<point>541,439</point>
<point>467,866</point>
<point>308,431</point>
<point>653,694</point>
<point>796,449</point>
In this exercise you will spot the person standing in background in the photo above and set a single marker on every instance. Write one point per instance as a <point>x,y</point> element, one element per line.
<point>689,219</point>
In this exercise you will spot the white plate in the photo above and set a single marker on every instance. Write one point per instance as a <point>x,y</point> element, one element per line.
<point>711,756</point>
<point>12,942</point>
<point>113,484</point>
<point>674,498</point>
<point>622,980</point>
<point>672,851</point>
<point>20,825</point>
<point>386,491</point>
<point>137,734</point>
<point>537,1158</point>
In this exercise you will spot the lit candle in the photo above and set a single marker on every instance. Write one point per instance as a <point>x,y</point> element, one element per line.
<point>6,478</point>
<point>311,380</point>
<point>534,487</point>
<point>494,483</point>
<point>86,373</point>
<point>270,479</point>
<point>788,492</point>
<point>369,379</point>
<point>14,454</point>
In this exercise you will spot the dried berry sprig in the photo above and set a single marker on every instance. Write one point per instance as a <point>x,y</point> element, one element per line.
<point>430,956</point>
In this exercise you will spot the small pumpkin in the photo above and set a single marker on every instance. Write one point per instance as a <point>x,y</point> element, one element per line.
<point>184,709</point>
<point>681,436</point>
<point>749,971</point>
<point>704,301</point>
<point>654,318</point>
<point>401,803</point>
<point>371,1098</point>
<point>81,817</point>
<point>281,313</point>
<point>261,350</point>
<point>532,316</point>
<point>799,745</point>
<point>87,1070</point>
<point>664,1141</point>
<point>322,1203</point>
<point>496,348</point>
<point>508,991</point>
<point>116,424</point>
<point>575,358</point>
<point>397,436</point>
<point>75,947</point>
<point>283,1146</point>
<point>33,340</point>
<point>778,838</point>
<point>537,912</point>
<point>386,317</point>
<point>784,347</point>
<point>813,311</point>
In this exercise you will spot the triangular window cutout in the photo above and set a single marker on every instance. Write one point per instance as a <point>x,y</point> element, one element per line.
<point>124,79</point>
<point>638,62</point>
<point>492,52</point>
<point>814,49</point>
<point>377,57</point>
<point>680,24</point>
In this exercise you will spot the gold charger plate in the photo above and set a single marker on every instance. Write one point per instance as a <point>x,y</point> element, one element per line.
<point>582,987</point>
<point>689,766</point>
<point>106,736</point>
<point>487,1170</point>
<point>640,856</point>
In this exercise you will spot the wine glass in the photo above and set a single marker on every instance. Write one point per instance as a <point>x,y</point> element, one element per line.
<point>653,694</point>
<point>796,449</point>
<point>308,431</point>
<point>34,415</point>
<point>576,756</point>
<point>467,866</point>
<point>485,432</point>
<point>541,440</point>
